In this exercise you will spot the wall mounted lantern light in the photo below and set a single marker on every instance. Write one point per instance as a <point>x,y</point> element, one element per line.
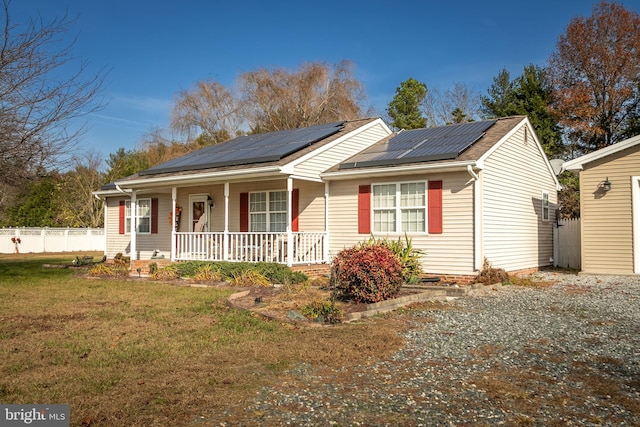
<point>606,185</point>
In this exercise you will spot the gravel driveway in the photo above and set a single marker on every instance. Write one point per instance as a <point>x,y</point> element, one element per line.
<point>568,354</point>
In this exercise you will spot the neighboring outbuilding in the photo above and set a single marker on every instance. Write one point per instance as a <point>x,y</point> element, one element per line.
<point>610,208</point>
<point>462,193</point>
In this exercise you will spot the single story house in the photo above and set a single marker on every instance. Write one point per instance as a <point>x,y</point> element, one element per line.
<point>463,193</point>
<point>610,208</point>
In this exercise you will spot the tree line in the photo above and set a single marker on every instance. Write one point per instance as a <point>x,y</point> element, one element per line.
<point>586,97</point>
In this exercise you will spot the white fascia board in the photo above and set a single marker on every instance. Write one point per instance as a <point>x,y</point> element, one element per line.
<point>578,163</point>
<point>106,193</point>
<point>399,170</point>
<point>332,144</point>
<point>197,178</point>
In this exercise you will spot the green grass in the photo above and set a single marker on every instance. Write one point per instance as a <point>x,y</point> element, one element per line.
<point>135,352</point>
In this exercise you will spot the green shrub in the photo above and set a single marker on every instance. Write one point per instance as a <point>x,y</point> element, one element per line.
<point>208,273</point>
<point>280,273</point>
<point>408,256</point>
<point>328,310</point>
<point>367,273</point>
<point>189,268</point>
<point>276,273</point>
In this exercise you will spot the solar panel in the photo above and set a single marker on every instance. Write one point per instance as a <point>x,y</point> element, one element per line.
<point>421,145</point>
<point>249,149</point>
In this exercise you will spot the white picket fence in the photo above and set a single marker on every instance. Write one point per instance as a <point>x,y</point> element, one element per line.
<point>566,244</point>
<point>38,240</point>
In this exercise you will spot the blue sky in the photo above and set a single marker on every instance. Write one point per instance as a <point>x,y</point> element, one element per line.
<point>155,49</point>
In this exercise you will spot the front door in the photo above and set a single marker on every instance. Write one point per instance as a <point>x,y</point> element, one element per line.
<point>198,213</point>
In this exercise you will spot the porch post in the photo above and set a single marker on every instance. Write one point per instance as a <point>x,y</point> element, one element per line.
<point>289,219</point>
<point>225,242</point>
<point>325,251</point>
<point>174,196</point>
<point>134,225</point>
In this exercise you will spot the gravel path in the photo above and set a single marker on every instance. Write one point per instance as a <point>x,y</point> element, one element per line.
<point>562,355</point>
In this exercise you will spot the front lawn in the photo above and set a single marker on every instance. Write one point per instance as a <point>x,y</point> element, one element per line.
<point>131,352</point>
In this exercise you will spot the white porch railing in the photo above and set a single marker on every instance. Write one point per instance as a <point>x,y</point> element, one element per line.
<point>306,248</point>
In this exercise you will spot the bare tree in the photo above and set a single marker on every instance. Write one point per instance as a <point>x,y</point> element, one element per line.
<point>37,101</point>
<point>208,112</point>
<point>456,105</point>
<point>279,99</point>
<point>158,147</point>
<point>79,207</point>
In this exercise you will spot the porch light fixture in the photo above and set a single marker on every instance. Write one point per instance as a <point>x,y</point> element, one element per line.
<point>606,185</point>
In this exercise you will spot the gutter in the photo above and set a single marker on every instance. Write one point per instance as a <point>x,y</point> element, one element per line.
<point>152,181</point>
<point>400,170</point>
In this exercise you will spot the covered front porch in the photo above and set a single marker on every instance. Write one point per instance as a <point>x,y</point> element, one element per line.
<point>264,220</point>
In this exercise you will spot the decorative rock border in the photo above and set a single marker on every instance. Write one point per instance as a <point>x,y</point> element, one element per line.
<point>422,294</point>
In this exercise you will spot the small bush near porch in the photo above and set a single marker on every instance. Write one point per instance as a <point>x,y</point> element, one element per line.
<point>375,270</point>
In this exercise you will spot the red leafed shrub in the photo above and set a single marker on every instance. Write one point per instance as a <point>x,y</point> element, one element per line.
<point>368,273</point>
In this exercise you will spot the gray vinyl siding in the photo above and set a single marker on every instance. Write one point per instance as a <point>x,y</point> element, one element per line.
<point>448,253</point>
<point>607,218</point>
<point>116,243</point>
<point>515,175</point>
<point>146,243</point>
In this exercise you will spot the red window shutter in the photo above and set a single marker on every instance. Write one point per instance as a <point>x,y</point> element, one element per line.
<point>364,209</point>
<point>295,206</point>
<point>121,217</point>
<point>154,216</point>
<point>435,207</point>
<point>244,212</point>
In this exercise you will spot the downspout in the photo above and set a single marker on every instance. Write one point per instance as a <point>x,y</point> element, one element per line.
<point>477,219</point>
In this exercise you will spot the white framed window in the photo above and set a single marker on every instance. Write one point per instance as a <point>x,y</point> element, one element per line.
<point>144,216</point>
<point>268,211</point>
<point>400,207</point>
<point>545,206</point>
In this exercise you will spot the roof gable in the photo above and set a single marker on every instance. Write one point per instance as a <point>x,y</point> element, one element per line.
<point>578,164</point>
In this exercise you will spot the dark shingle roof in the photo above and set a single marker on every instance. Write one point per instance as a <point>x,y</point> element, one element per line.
<point>483,136</point>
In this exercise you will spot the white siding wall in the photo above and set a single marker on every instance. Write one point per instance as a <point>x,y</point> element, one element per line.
<point>311,206</point>
<point>116,243</point>
<point>448,253</point>
<point>146,243</point>
<point>514,235</point>
<point>336,154</point>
